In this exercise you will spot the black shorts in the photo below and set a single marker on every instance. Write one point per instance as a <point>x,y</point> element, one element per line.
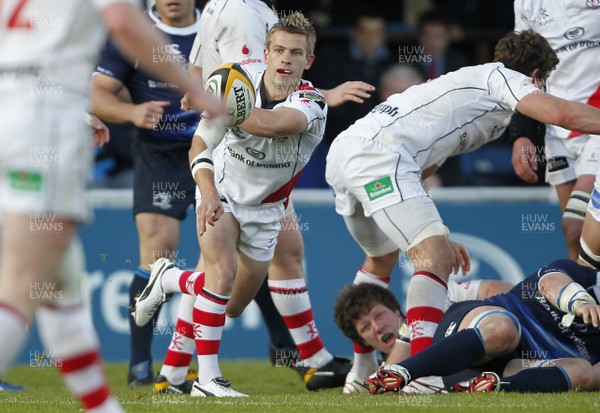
<point>455,314</point>
<point>162,181</point>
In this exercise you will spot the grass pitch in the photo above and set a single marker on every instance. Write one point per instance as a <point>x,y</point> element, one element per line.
<point>274,390</point>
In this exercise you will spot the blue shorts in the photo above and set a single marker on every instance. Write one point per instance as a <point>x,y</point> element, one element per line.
<point>162,181</point>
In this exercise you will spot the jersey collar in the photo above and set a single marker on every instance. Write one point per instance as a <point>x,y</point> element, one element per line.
<point>178,31</point>
<point>264,104</point>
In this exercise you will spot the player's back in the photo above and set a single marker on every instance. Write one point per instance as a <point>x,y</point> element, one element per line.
<point>233,31</point>
<point>455,113</point>
<point>48,46</point>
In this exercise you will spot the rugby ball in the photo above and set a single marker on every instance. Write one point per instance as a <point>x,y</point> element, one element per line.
<point>233,85</point>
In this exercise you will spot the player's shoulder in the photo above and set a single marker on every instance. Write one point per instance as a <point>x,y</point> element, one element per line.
<point>564,266</point>
<point>308,94</point>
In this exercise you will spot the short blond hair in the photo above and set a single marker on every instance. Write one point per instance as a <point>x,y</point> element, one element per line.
<point>295,23</point>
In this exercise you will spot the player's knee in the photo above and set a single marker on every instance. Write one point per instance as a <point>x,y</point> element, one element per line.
<point>581,374</point>
<point>433,254</point>
<point>499,329</point>
<point>572,230</point>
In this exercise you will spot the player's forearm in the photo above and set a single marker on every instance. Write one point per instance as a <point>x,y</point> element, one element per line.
<point>109,107</point>
<point>570,115</point>
<point>273,123</point>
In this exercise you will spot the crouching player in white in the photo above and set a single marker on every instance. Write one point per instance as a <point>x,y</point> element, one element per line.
<point>242,202</point>
<point>541,336</point>
<point>375,167</point>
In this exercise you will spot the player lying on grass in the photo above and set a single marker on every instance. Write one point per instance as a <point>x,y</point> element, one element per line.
<point>368,314</point>
<point>541,336</point>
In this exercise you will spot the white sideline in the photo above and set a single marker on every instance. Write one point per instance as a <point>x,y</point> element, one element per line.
<point>123,198</point>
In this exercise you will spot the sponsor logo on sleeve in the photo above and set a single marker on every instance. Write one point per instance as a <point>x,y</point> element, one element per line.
<point>315,97</point>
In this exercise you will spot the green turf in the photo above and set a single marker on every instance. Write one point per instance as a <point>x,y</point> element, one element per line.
<point>274,390</point>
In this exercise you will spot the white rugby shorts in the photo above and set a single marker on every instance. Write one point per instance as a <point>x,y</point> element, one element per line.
<point>45,156</point>
<point>259,226</point>
<point>360,170</point>
<point>570,158</point>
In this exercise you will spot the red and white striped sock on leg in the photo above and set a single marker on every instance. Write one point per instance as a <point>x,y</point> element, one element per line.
<point>209,320</point>
<point>182,346</point>
<point>293,303</point>
<point>69,337</point>
<point>426,302</point>
<point>175,280</point>
<point>12,335</point>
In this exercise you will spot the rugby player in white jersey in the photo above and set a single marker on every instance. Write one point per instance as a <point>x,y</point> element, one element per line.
<point>375,167</point>
<point>573,31</point>
<point>242,204</point>
<point>224,37</point>
<point>47,55</point>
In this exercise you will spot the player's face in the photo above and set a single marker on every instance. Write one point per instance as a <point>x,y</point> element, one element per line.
<point>379,327</point>
<point>173,12</point>
<point>287,59</point>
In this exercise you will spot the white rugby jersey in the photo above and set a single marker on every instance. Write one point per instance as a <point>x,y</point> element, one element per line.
<point>232,31</point>
<point>454,113</point>
<point>50,44</point>
<point>573,30</point>
<point>254,170</point>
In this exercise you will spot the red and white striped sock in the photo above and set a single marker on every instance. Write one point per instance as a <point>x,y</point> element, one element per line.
<point>69,336</point>
<point>293,303</point>
<point>182,346</point>
<point>209,320</point>
<point>365,357</point>
<point>12,335</point>
<point>426,302</point>
<point>175,280</point>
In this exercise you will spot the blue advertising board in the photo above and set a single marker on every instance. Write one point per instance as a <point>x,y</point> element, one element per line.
<point>507,240</point>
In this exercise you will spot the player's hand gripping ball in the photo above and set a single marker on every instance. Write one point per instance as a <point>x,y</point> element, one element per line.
<point>233,85</point>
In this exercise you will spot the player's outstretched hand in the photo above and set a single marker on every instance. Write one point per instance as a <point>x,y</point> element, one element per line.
<point>462,259</point>
<point>201,100</point>
<point>186,104</point>
<point>100,132</point>
<point>147,115</point>
<point>351,91</point>
<point>524,159</point>
<point>589,312</point>
<point>209,211</point>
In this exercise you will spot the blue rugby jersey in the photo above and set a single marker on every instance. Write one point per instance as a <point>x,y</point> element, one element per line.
<point>175,124</point>
<point>544,336</point>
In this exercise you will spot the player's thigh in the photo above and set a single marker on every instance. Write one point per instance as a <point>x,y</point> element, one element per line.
<point>157,232</point>
<point>249,277</point>
<point>366,232</point>
<point>410,222</point>
<point>289,251</point>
